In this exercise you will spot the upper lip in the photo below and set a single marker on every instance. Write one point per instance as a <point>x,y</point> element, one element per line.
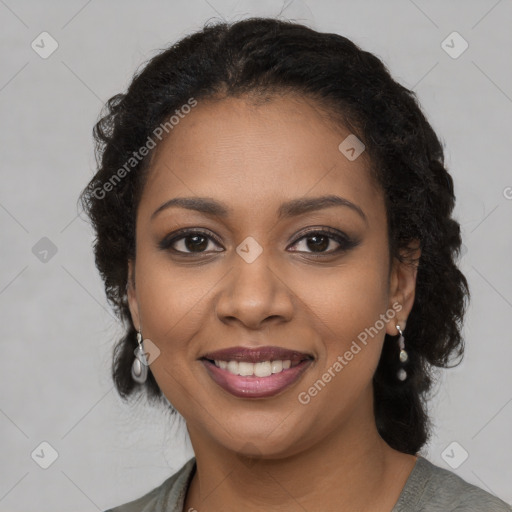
<point>255,355</point>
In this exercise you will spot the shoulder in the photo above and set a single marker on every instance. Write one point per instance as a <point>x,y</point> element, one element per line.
<point>431,488</point>
<point>168,496</point>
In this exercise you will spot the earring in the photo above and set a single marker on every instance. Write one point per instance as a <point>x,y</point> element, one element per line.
<point>140,363</point>
<point>402,374</point>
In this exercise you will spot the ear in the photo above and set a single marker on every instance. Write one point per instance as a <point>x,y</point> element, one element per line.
<point>402,288</point>
<point>132,295</point>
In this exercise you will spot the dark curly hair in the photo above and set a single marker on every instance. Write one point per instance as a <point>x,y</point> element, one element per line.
<point>259,56</point>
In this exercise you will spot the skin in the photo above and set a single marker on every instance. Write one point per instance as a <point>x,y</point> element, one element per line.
<point>273,453</point>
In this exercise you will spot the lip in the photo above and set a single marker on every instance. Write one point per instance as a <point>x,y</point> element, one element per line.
<point>252,386</point>
<point>255,355</point>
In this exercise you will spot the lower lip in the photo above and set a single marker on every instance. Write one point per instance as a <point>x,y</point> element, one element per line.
<point>255,387</point>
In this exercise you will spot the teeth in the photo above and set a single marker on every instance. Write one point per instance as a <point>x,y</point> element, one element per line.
<point>277,366</point>
<point>245,369</point>
<point>261,369</point>
<point>232,367</point>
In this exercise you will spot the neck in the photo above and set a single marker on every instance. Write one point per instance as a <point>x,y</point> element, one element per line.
<point>349,469</point>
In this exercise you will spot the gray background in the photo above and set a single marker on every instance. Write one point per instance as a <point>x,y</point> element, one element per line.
<point>56,328</point>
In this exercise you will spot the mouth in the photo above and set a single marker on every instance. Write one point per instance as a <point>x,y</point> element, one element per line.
<point>256,373</point>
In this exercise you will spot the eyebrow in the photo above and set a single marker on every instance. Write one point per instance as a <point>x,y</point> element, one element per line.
<point>295,207</point>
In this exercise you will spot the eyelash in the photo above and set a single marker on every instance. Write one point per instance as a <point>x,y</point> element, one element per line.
<point>345,242</point>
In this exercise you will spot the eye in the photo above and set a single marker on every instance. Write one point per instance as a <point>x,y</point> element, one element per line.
<point>320,239</point>
<point>188,241</point>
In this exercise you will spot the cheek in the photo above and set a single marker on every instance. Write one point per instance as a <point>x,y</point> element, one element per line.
<point>172,307</point>
<point>172,301</point>
<point>346,308</point>
<point>346,299</point>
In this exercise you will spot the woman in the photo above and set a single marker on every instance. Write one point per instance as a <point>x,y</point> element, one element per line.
<point>274,227</point>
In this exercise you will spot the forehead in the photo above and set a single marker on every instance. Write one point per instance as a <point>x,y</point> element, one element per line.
<point>254,156</point>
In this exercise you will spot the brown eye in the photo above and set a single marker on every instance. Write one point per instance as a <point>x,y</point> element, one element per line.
<point>194,243</point>
<point>188,242</point>
<point>319,241</point>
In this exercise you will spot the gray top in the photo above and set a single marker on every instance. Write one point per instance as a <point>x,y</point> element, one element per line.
<point>429,488</point>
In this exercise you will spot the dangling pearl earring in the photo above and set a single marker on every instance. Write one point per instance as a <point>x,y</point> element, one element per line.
<point>402,374</point>
<point>140,363</point>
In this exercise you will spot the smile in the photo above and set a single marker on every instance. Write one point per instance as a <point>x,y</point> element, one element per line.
<point>256,373</point>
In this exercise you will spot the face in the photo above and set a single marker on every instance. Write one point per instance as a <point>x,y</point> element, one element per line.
<point>257,270</point>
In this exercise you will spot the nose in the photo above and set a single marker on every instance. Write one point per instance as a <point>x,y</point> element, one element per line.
<point>255,293</point>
